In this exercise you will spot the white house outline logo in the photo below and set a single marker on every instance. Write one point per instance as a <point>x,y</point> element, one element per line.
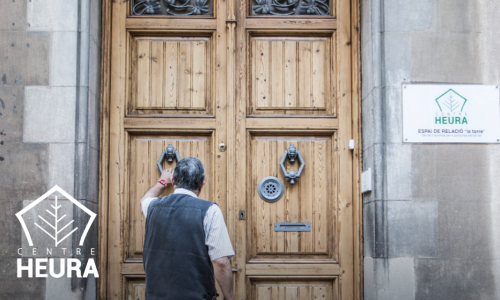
<point>56,188</point>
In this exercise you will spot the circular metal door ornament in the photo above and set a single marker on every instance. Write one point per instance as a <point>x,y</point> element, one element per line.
<point>271,189</point>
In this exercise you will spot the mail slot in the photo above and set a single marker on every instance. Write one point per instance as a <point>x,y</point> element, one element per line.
<point>292,226</point>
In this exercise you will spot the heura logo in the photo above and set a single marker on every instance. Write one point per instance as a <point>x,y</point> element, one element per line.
<point>55,226</point>
<point>451,105</point>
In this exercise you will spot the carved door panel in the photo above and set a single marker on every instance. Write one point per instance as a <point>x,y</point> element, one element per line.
<point>257,76</point>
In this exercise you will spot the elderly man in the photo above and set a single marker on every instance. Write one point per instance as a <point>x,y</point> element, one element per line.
<point>186,243</point>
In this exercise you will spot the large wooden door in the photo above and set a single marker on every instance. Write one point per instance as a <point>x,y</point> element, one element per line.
<point>294,87</point>
<point>255,77</point>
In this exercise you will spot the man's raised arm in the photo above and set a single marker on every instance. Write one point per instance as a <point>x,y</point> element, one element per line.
<point>158,188</point>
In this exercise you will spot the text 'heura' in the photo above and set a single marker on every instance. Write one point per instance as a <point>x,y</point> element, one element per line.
<point>451,120</point>
<point>68,265</point>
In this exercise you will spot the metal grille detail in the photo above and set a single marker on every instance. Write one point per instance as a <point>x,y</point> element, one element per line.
<point>291,7</point>
<point>271,189</point>
<point>172,7</point>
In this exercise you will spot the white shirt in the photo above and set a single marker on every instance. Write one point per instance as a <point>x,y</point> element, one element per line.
<point>216,235</point>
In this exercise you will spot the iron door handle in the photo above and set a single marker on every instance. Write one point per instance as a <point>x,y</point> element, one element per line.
<point>170,153</point>
<point>292,153</point>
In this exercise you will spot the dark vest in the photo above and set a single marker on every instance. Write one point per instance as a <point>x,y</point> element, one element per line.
<point>176,258</point>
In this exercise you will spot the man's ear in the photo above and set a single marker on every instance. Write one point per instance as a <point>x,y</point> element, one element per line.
<point>172,180</point>
<point>202,184</point>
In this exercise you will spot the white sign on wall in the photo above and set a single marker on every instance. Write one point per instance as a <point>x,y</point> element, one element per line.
<point>436,113</point>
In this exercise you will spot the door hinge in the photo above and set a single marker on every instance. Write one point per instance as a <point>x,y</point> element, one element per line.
<point>242,215</point>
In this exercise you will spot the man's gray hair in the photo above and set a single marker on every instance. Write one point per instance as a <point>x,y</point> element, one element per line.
<point>189,173</point>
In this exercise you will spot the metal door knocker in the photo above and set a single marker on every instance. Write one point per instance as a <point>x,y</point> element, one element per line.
<point>271,189</point>
<point>170,153</point>
<point>292,153</point>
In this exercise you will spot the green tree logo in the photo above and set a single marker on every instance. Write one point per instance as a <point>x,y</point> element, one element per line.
<point>451,101</point>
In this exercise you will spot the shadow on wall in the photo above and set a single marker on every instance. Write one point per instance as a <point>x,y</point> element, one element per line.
<point>456,177</point>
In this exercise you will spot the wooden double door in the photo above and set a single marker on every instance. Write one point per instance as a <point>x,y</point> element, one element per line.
<point>236,83</point>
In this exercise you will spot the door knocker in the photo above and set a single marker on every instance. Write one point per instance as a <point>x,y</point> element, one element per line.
<point>292,153</point>
<point>170,153</point>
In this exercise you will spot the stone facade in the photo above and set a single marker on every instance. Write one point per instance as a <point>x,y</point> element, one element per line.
<point>431,222</point>
<point>49,126</point>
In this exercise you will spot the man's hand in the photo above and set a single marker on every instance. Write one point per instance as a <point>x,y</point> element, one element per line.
<point>158,188</point>
<point>224,275</point>
<point>167,175</point>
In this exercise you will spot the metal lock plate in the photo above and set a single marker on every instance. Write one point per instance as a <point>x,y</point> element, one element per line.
<point>271,189</point>
<point>222,147</point>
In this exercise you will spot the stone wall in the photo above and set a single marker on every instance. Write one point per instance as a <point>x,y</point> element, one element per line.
<point>431,224</point>
<point>49,125</point>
